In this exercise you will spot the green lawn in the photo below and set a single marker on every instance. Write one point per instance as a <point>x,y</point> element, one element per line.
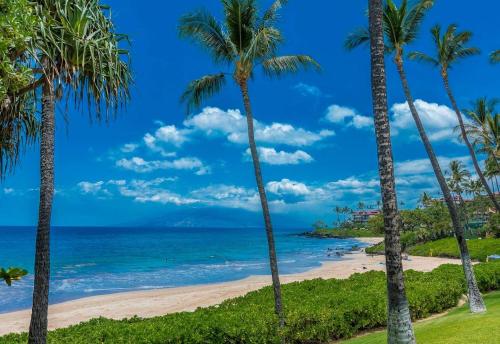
<point>457,327</point>
<point>479,248</point>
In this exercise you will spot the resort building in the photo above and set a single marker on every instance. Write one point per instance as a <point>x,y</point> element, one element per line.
<point>362,216</point>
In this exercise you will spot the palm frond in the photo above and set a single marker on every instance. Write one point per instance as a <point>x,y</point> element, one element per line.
<point>421,57</point>
<point>263,44</point>
<point>203,28</point>
<point>272,15</point>
<point>357,38</point>
<point>278,66</point>
<point>241,17</point>
<point>415,18</point>
<point>200,89</point>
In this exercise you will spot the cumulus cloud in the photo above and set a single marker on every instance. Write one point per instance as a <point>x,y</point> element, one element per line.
<point>139,165</point>
<point>288,187</point>
<point>349,116</point>
<point>272,157</point>
<point>232,124</point>
<point>165,136</point>
<point>439,120</point>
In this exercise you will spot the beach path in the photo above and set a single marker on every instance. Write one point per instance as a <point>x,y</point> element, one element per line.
<point>157,302</point>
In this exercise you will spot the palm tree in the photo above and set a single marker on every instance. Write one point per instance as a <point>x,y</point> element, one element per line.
<point>451,48</point>
<point>425,200</point>
<point>246,40</point>
<point>492,171</point>
<point>337,211</point>
<point>458,179</point>
<point>401,27</point>
<point>495,56</point>
<point>79,56</point>
<point>399,326</point>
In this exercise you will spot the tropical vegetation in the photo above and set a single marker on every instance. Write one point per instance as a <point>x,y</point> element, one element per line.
<point>317,311</point>
<point>68,51</point>
<point>12,274</point>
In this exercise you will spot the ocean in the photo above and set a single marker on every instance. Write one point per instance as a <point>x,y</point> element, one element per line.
<point>98,260</point>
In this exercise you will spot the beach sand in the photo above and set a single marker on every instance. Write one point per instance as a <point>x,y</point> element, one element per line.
<point>152,303</point>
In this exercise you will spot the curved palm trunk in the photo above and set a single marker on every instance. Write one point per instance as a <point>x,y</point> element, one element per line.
<point>39,312</point>
<point>467,142</point>
<point>273,262</point>
<point>399,326</point>
<point>476,303</point>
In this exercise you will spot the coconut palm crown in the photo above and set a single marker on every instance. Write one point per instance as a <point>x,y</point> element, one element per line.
<point>401,26</point>
<point>451,47</point>
<point>245,41</point>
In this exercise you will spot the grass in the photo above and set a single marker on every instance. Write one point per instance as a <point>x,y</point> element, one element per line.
<point>479,249</point>
<point>344,233</point>
<point>457,327</point>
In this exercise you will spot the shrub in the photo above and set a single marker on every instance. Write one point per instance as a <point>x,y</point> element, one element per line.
<point>317,311</point>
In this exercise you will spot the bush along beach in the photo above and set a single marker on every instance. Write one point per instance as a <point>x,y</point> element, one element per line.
<point>317,311</point>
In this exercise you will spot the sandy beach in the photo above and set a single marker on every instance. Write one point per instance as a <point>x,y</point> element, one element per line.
<point>163,301</point>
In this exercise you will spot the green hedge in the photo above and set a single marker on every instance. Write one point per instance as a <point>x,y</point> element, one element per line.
<point>479,249</point>
<point>317,311</point>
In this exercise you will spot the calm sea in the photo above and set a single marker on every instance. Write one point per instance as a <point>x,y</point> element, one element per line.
<point>92,261</point>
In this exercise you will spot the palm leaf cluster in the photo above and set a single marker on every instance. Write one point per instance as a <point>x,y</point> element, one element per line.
<point>244,40</point>
<point>451,46</point>
<point>401,25</point>
<point>18,122</point>
<point>12,274</point>
<point>78,48</point>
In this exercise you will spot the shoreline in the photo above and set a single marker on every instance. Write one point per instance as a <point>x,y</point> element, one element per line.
<point>156,302</point>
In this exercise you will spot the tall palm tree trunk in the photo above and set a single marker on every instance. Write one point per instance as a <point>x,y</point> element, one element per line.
<point>467,142</point>
<point>476,303</point>
<point>39,312</point>
<point>273,262</point>
<point>399,326</point>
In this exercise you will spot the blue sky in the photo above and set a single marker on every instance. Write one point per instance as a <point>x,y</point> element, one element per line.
<point>314,129</point>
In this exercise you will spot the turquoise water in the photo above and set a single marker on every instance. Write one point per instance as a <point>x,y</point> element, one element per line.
<point>92,261</point>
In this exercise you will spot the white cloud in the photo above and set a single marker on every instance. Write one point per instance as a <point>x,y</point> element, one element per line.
<point>8,191</point>
<point>232,124</point>
<point>439,120</point>
<point>360,122</point>
<point>90,188</point>
<point>229,196</point>
<point>272,157</point>
<point>151,191</point>
<point>349,116</point>
<point>139,165</point>
<point>308,90</point>
<point>129,147</point>
<point>288,187</point>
